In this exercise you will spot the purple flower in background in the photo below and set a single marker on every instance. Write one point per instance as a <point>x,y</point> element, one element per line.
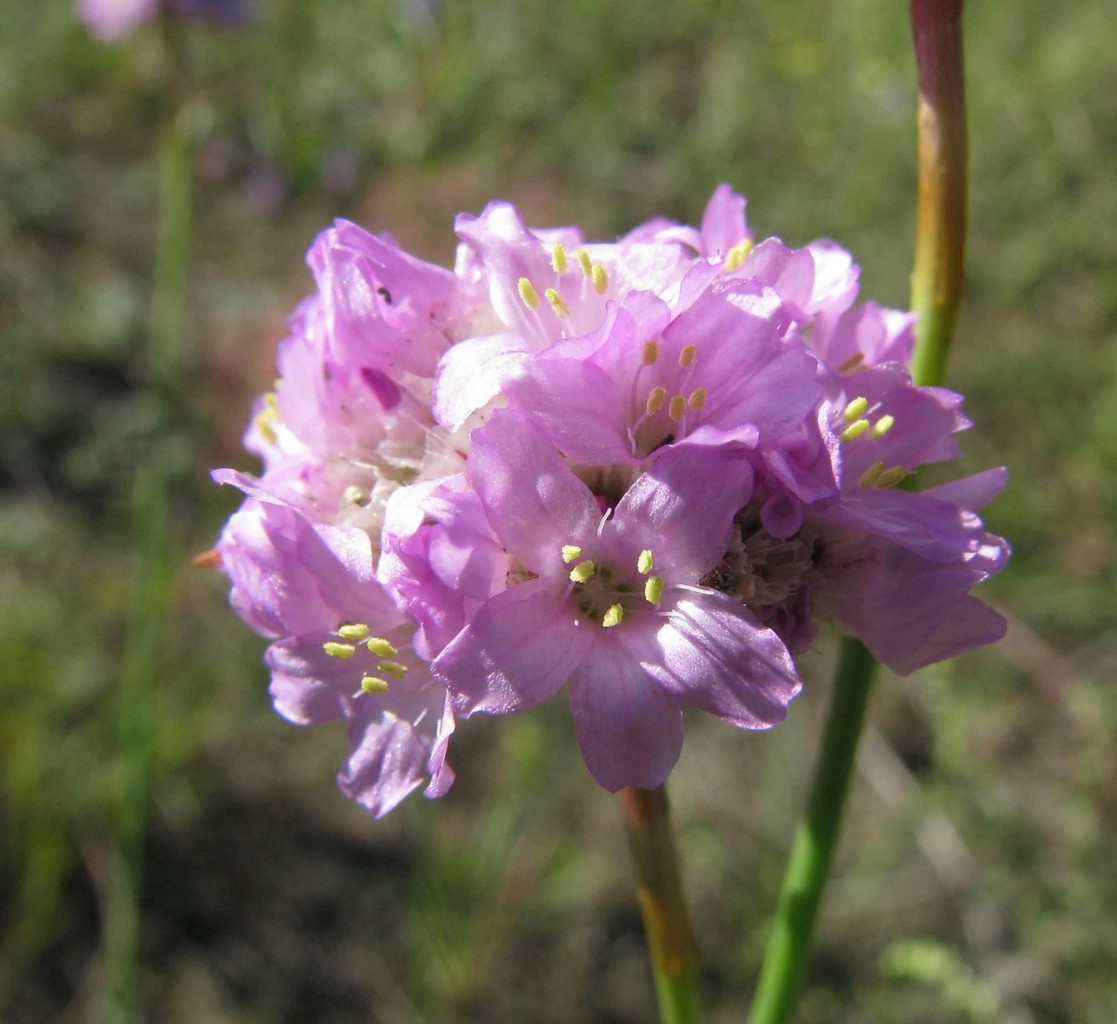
<point>113,19</point>
<point>642,472</point>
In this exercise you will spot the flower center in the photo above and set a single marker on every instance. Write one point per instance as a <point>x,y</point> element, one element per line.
<point>352,638</point>
<point>854,423</point>
<point>606,596</point>
<point>666,412</point>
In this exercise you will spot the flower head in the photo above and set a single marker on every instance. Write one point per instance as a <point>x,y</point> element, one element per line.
<point>639,472</point>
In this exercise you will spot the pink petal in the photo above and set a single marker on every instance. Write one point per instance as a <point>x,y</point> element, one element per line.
<point>629,730</point>
<point>723,223</point>
<point>534,502</point>
<point>387,761</point>
<point>682,509</point>
<point>471,374</point>
<point>713,653</point>
<point>518,650</point>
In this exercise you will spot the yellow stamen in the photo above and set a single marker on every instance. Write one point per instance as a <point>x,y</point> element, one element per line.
<point>336,650</point>
<point>688,355</point>
<point>353,631</point>
<point>268,417</point>
<point>583,571</point>
<point>656,398</point>
<point>653,589</point>
<point>600,279</point>
<point>381,647</point>
<point>891,477</point>
<point>854,430</point>
<point>558,258</point>
<point>584,262</point>
<point>737,255</point>
<point>697,398</point>
<point>570,552</point>
<point>676,407</point>
<point>528,294</point>
<point>855,410</point>
<point>374,684</point>
<point>851,363</point>
<point>651,352</point>
<point>881,427</point>
<point>614,616</point>
<point>392,668</point>
<point>353,495</point>
<point>645,562</point>
<point>556,302</point>
<point>871,475</point>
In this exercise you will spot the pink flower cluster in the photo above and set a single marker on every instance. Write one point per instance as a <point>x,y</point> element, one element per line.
<point>640,471</point>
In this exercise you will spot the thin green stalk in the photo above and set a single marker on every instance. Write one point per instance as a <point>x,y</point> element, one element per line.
<point>813,848</point>
<point>674,957</point>
<point>135,711</point>
<point>937,280</point>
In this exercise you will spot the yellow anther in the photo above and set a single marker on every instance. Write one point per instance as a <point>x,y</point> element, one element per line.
<point>381,647</point>
<point>354,631</point>
<point>583,571</point>
<point>558,258</point>
<point>656,398</point>
<point>676,407</point>
<point>263,423</point>
<point>353,495</point>
<point>651,352</point>
<point>688,355</point>
<point>851,363</point>
<point>570,552</point>
<point>336,650</point>
<point>737,254</point>
<point>614,616</point>
<point>881,427</point>
<point>855,429</point>
<point>392,668</point>
<point>653,589</point>
<point>697,398</point>
<point>855,410</point>
<point>584,262</point>
<point>556,302</point>
<point>645,562</point>
<point>374,684</point>
<point>871,475</point>
<point>528,294</point>
<point>267,418</point>
<point>600,279</point>
<point>891,477</point>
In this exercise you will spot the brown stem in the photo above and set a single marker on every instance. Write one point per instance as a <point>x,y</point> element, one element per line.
<point>941,233</point>
<point>670,935</point>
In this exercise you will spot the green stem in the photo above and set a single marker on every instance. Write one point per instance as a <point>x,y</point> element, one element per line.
<point>135,712</point>
<point>813,849</point>
<point>940,242</point>
<point>937,280</point>
<point>172,254</point>
<point>674,956</point>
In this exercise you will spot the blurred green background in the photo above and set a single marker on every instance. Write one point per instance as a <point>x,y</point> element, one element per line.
<point>976,881</point>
